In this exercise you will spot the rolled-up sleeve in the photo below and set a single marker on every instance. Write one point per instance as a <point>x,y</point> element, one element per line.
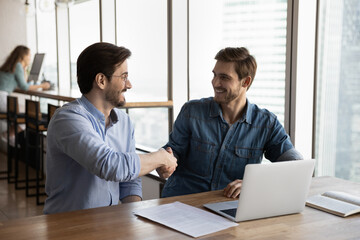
<point>131,188</point>
<point>278,142</point>
<point>134,187</point>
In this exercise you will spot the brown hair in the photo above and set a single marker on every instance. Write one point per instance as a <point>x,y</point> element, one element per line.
<point>15,56</point>
<point>99,58</point>
<point>245,64</point>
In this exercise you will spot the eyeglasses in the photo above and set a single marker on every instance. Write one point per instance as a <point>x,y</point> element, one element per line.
<point>123,77</point>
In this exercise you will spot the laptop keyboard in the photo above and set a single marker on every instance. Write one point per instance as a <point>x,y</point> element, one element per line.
<point>231,211</point>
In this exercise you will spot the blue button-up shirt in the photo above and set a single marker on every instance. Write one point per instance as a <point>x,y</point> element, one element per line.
<point>211,154</point>
<point>87,164</point>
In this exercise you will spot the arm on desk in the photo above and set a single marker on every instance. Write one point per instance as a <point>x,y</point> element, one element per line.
<point>44,86</point>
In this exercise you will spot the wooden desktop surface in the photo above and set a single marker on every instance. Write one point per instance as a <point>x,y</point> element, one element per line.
<point>118,222</point>
<point>68,96</point>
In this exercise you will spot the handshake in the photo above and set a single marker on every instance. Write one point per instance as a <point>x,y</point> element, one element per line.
<point>170,163</point>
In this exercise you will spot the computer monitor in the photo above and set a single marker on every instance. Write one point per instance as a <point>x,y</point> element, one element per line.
<point>36,67</point>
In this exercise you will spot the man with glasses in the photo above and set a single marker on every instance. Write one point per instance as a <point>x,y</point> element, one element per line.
<point>91,159</point>
<point>214,138</point>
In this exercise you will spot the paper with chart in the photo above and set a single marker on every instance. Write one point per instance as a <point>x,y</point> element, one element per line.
<point>186,219</point>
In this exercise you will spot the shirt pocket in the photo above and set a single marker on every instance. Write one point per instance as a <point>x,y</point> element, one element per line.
<point>249,155</point>
<point>201,157</point>
<point>241,157</point>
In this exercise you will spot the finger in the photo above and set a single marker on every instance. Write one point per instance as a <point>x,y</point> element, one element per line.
<point>228,187</point>
<point>236,193</point>
<point>232,190</point>
<point>233,183</point>
<point>227,190</point>
<point>169,150</point>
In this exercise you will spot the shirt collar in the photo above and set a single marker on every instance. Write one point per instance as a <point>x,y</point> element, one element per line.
<point>215,111</point>
<point>95,112</point>
<point>247,117</point>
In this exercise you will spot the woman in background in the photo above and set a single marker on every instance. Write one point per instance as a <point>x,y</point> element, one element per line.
<point>13,75</point>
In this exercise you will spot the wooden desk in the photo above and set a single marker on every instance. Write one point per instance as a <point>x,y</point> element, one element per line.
<point>118,222</point>
<point>72,95</point>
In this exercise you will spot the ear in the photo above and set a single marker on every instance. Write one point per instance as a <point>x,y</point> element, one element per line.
<point>246,82</point>
<point>100,80</point>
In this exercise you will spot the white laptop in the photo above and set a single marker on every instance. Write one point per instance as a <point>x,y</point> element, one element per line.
<point>269,190</point>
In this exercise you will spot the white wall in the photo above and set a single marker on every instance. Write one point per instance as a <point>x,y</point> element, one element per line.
<point>12,26</point>
<point>150,188</point>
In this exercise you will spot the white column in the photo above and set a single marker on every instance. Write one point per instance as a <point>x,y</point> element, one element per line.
<point>180,70</point>
<point>302,75</point>
<point>63,49</point>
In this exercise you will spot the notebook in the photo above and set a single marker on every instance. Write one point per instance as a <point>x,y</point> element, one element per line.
<point>269,190</point>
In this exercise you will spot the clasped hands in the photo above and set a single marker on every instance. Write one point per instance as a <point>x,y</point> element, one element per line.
<point>232,190</point>
<point>170,166</point>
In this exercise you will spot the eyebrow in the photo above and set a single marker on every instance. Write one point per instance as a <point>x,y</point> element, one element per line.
<point>222,74</point>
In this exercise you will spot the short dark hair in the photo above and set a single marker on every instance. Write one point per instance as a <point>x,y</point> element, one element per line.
<point>245,64</point>
<point>99,58</point>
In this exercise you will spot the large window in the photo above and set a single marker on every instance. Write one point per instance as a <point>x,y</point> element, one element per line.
<point>84,31</point>
<point>338,87</point>
<point>151,128</point>
<point>46,32</point>
<point>142,27</point>
<point>257,25</point>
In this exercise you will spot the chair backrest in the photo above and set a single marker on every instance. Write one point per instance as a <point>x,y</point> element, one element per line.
<point>51,110</point>
<point>3,116</point>
<point>32,110</point>
<point>12,105</point>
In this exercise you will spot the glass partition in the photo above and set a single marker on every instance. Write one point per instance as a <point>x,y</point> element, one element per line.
<point>337,136</point>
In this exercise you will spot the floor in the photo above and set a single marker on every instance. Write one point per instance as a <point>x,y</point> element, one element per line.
<point>13,203</point>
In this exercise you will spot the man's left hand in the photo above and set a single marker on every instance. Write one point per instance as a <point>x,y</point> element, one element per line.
<point>233,189</point>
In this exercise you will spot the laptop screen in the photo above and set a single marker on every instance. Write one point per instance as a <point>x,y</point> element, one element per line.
<point>36,66</point>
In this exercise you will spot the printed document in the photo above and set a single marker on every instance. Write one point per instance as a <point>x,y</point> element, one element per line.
<point>184,218</point>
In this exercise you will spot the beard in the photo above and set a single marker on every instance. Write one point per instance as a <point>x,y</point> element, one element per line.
<point>229,96</point>
<point>112,96</point>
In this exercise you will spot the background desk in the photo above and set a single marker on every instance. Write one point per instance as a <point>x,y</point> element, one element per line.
<point>118,222</point>
<point>68,96</point>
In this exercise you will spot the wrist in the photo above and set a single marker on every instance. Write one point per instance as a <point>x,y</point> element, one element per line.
<point>159,155</point>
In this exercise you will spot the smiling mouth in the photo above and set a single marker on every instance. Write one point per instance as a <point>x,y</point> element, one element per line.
<point>219,90</point>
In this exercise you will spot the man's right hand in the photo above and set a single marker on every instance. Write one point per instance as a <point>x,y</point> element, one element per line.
<point>161,159</point>
<point>168,169</point>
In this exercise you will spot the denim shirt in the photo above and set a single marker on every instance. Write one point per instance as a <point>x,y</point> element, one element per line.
<point>211,153</point>
<point>89,164</point>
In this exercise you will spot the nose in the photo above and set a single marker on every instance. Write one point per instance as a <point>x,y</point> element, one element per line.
<point>215,82</point>
<point>128,84</point>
